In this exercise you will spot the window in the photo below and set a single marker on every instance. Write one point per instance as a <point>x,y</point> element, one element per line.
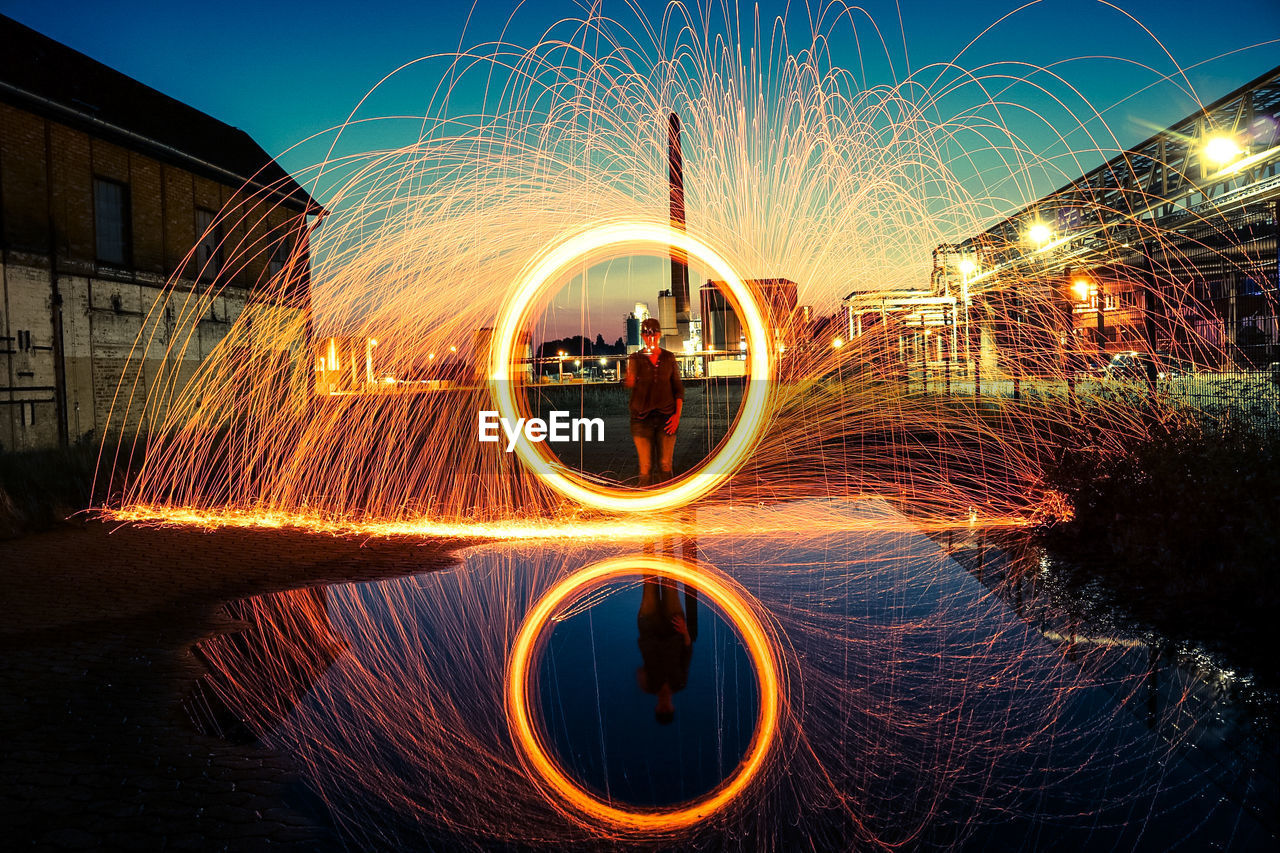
<point>28,413</point>
<point>279,257</point>
<point>209,249</point>
<point>24,340</point>
<point>111,222</point>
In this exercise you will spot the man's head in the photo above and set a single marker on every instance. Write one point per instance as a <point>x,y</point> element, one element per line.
<point>651,331</point>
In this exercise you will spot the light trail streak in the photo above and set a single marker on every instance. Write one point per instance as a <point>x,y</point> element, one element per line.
<point>711,522</point>
<point>745,616</point>
<point>752,416</point>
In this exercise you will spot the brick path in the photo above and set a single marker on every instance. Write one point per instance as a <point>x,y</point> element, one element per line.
<point>97,622</point>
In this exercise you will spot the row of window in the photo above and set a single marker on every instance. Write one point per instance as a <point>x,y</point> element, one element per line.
<point>1111,301</point>
<point>113,233</point>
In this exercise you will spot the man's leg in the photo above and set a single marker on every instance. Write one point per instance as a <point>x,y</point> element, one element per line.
<point>670,599</point>
<point>650,597</point>
<point>642,436</point>
<point>667,448</point>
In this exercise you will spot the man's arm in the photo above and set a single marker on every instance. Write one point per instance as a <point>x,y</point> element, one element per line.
<point>673,422</point>
<point>677,391</point>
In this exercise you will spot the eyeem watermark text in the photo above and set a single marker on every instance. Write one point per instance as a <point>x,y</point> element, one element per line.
<point>558,427</point>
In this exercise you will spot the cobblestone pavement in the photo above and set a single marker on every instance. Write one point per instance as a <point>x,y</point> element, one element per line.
<point>97,622</point>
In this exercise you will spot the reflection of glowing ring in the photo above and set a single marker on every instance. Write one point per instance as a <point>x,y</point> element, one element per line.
<point>538,275</point>
<point>735,605</point>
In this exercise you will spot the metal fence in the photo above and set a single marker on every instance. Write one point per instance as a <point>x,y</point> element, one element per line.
<point>1253,394</point>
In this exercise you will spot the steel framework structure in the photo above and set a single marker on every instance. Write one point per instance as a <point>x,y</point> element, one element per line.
<point>1193,235</point>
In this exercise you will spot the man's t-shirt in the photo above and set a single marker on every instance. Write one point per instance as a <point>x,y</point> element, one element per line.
<point>657,387</point>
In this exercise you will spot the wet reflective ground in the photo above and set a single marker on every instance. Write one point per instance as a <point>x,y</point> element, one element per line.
<point>926,701</point>
<point>634,710</point>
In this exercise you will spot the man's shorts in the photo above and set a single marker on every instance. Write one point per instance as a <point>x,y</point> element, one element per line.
<point>652,426</point>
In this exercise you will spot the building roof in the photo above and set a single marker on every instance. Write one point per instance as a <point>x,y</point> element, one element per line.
<point>45,77</point>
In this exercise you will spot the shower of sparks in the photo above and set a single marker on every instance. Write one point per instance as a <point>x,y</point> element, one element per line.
<point>792,169</point>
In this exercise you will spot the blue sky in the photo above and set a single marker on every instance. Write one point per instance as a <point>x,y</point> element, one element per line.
<point>284,71</point>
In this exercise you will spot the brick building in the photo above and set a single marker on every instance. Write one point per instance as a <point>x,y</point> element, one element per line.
<point>109,191</point>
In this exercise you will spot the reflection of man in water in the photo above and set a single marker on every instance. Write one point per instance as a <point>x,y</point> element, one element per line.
<point>665,645</point>
<point>657,399</point>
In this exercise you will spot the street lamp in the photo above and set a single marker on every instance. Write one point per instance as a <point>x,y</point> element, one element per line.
<point>562,355</point>
<point>1039,233</point>
<point>1221,149</point>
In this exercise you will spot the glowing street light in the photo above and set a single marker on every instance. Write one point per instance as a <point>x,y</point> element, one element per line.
<point>967,267</point>
<point>1081,287</point>
<point>1221,150</point>
<point>1039,233</point>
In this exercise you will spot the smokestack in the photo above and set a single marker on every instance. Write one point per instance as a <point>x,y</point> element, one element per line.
<point>679,262</point>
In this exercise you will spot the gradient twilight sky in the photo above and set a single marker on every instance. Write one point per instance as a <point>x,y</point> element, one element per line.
<point>283,72</point>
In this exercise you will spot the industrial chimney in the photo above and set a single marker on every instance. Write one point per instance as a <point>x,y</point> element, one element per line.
<point>679,262</point>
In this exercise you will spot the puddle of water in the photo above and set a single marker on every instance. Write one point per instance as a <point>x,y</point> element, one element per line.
<point>918,706</point>
<point>660,719</point>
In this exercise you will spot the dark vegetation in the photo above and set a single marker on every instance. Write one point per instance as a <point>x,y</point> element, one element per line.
<point>1179,521</point>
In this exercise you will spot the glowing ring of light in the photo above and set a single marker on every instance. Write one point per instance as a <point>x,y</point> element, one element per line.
<point>736,447</point>
<point>735,605</point>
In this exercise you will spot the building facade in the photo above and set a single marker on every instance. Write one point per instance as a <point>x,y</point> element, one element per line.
<point>115,201</point>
